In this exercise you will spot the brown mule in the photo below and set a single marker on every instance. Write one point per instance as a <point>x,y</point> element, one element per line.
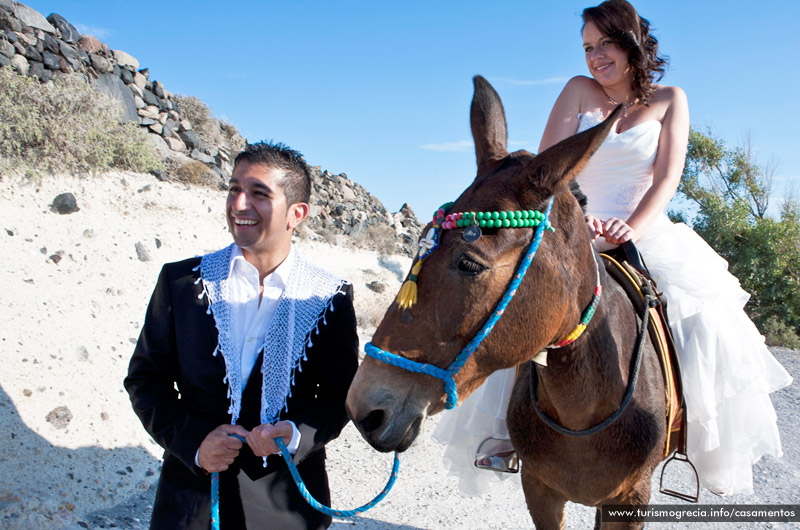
<point>459,285</point>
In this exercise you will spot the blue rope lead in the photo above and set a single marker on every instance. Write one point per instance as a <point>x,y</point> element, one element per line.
<point>301,487</point>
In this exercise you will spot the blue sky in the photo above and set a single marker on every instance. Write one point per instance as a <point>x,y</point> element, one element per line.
<point>380,90</point>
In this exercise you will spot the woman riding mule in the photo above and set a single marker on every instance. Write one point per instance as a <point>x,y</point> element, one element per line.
<point>463,279</point>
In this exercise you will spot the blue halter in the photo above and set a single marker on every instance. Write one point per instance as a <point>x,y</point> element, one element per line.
<point>448,375</point>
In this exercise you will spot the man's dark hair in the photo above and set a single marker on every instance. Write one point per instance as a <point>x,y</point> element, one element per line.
<point>296,182</point>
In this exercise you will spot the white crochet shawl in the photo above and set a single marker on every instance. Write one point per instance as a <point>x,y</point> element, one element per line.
<point>308,295</point>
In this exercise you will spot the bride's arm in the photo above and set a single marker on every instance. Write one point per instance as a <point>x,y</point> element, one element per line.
<point>667,171</point>
<point>563,120</point>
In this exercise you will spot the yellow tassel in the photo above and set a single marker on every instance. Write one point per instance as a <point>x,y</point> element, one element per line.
<point>407,296</point>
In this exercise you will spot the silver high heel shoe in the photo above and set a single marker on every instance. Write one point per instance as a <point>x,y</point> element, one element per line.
<point>496,454</point>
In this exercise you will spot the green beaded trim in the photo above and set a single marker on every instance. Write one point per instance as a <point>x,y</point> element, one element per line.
<point>503,219</point>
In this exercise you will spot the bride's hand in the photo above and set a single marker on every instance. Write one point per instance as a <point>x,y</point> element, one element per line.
<point>617,231</point>
<point>594,225</point>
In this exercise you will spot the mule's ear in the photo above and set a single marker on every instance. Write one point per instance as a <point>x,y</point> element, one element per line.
<point>564,161</point>
<point>488,122</point>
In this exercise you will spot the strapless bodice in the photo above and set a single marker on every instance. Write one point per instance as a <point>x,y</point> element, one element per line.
<point>621,171</point>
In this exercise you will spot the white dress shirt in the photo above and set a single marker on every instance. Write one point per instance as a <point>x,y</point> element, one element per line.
<point>251,317</point>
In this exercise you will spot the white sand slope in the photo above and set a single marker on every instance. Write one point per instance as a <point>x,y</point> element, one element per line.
<point>73,454</point>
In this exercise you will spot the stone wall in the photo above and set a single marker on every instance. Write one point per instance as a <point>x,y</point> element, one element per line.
<point>342,211</point>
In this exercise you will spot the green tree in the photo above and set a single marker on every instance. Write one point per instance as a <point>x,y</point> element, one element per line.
<point>731,195</point>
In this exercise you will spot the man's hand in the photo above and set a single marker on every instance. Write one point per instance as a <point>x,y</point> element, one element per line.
<point>262,438</point>
<point>218,449</point>
<point>616,231</point>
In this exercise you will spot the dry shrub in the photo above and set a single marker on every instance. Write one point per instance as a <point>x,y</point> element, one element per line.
<point>209,129</point>
<point>66,125</point>
<point>196,173</point>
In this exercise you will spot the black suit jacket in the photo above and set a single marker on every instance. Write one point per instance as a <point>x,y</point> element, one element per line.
<point>176,387</point>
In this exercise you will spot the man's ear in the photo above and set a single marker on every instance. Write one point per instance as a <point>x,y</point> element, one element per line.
<point>296,214</point>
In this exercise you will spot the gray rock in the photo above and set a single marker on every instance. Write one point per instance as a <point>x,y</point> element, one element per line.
<point>21,64</point>
<point>10,35</point>
<point>68,32</point>
<point>146,122</point>
<point>65,203</point>
<point>82,353</point>
<point>7,49</point>
<point>9,22</point>
<point>113,87</point>
<point>116,70</point>
<point>101,64</point>
<point>158,89</point>
<point>156,128</point>
<point>90,44</point>
<point>202,157</point>
<point>38,70</point>
<point>141,252</point>
<point>138,92</point>
<point>68,51</point>
<point>84,57</point>
<point>32,18</point>
<point>162,176</point>
<point>126,76</point>
<point>140,104</point>
<point>125,59</point>
<point>151,98</point>
<point>51,43</point>
<point>190,138</point>
<point>33,54</point>
<point>50,60</point>
<point>59,417</point>
<point>5,61</point>
<point>376,286</point>
<point>7,6</point>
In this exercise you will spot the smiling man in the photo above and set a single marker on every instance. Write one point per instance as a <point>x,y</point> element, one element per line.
<point>227,348</point>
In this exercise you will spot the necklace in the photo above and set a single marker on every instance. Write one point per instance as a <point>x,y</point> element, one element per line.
<point>625,108</point>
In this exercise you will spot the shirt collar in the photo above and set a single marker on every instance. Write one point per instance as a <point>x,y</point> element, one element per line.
<point>239,266</point>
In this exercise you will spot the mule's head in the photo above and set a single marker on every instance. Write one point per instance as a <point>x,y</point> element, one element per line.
<point>461,282</point>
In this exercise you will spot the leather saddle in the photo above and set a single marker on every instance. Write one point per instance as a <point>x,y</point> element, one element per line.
<point>627,267</point>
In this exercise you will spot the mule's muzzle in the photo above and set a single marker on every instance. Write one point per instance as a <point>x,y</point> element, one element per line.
<point>387,431</point>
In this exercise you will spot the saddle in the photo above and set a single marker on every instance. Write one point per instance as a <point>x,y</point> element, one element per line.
<point>627,267</point>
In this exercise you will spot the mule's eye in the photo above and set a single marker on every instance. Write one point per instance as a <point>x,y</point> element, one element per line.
<point>470,267</point>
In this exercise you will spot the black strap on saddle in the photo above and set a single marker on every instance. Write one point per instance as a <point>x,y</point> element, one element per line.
<point>628,255</point>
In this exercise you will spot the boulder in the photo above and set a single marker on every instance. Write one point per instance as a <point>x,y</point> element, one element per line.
<point>125,59</point>
<point>151,98</point>
<point>51,43</point>
<point>7,49</point>
<point>10,35</point>
<point>4,61</point>
<point>138,92</point>
<point>32,18</point>
<point>145,122</point>
<point>33,54</point>
<point>7,6</point>
<point>38,70</point>
<point>68,50</point>
<point>50,61</point>
<point>156,128</point>
<point>89,44</point>
<point>101,64</point>
<point>64,65</point>
<point>139,80</point>
<point>175,144</point>
<point>113,87</point>
<point>9,22</point>
<point>65,203</point>
<point>126,76</point>
<point>202,157</point>
<point>159,145</point>
<point>145,72</point>
<point>140,104</point>
<point>158,89</point>
<point>21,64</point>
<point>150,111</point>
<point>68,32</point>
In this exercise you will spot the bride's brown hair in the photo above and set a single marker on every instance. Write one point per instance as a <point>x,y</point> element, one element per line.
<point>618,20</point>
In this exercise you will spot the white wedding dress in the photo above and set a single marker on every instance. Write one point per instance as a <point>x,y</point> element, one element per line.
<point>727,370</point>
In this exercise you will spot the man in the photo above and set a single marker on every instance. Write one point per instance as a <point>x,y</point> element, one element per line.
<point>251,340</point>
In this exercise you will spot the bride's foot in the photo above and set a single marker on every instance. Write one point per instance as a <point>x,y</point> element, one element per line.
<point>497,455</point>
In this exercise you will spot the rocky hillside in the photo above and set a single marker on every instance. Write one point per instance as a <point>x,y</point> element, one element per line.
<point>194,146</point>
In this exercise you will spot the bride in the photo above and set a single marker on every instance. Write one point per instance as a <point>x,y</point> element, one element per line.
<point>727,370</point>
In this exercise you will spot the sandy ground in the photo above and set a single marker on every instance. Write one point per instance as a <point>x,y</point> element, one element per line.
<point>73,454</point>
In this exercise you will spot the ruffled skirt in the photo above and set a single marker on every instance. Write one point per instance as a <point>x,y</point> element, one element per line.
<point>727,369</point>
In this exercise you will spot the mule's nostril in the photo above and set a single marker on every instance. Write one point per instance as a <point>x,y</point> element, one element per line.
<point>372,421</point>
